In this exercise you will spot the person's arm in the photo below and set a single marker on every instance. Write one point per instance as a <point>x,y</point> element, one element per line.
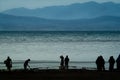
<point>28,66</point>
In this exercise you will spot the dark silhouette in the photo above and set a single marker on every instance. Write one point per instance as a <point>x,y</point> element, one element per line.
<point>8,63</point>
<point>66,62</point>
<point>26,64</point>
<point>100,62</point>
<point>111,63</point>
<point>62,62</point>
<point>118,62</point>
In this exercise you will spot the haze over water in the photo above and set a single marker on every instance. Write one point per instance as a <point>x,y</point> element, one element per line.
<point>80,46</point>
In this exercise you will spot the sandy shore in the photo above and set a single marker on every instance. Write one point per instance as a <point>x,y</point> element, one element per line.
<point>73,74</point>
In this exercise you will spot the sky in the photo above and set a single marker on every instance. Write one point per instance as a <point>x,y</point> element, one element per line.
<point>9,4</point>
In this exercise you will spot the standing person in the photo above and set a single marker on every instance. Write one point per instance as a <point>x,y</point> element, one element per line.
<point>118,62</point>
<point>62,62</point>
<point>8,63</point>
<point>111,63</point>
<point>102,63</point>
<point>66,62</point>
<point>26,64</point>
<point>98,63</point>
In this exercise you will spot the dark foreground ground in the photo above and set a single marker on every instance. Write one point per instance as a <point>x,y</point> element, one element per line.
<point>60,75</point>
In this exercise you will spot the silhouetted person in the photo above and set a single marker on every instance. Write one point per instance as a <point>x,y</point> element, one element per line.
<point>111,63</point>
<point>62,62</point>
<point>8,63</point>
<point>66,62</point>
<point>100,63</point>
<point>118,62</point>
<point>26,64</point>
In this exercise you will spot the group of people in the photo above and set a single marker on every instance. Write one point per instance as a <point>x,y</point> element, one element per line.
<point>64,64</point>
<point>8,63</point>
<point>100,62</point>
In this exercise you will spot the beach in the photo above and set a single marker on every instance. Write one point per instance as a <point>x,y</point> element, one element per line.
<point>59,39</point>
<point>83,48</point>
<point>56,74</point>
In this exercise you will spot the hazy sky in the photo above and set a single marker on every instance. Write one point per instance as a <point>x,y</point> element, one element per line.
<point>8,4</point>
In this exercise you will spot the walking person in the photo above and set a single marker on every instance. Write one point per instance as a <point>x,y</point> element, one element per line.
<point>8,63</point>
<point>111,63</point>
<point>66,62</point>
<point>26,64</point>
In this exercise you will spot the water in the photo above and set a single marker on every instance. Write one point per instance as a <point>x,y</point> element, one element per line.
<point>48,46</point>
<point>55,65</point>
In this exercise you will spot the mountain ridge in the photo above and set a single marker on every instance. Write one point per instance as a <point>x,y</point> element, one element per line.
<point>21,23</point>
<point>74,11</point>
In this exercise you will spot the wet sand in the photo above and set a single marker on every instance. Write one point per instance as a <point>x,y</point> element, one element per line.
<point>73,74</point>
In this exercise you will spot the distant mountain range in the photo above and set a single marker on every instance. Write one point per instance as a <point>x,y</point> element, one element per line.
<point>23,23</point>
<point>90,16</point>
<point>73,11</point>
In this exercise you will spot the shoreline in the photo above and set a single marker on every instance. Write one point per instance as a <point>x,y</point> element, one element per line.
<point>55,65</point>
